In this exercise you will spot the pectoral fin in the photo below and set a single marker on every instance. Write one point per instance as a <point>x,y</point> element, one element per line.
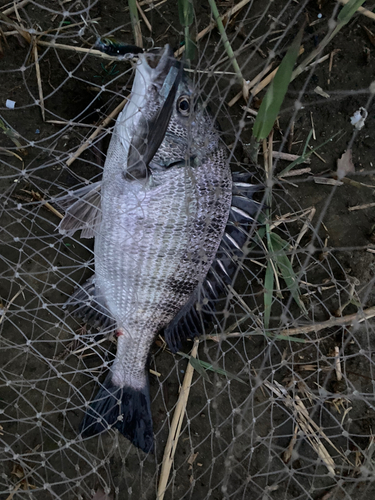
<point>83,211</point>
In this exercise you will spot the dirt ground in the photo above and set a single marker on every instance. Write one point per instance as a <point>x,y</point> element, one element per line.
<point>234,436</point>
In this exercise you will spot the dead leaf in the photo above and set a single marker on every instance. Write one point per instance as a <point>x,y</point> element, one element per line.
<point>100,495</point>
<point>345,165</point>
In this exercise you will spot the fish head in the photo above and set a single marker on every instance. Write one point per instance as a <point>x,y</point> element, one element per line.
<point>164,123</point>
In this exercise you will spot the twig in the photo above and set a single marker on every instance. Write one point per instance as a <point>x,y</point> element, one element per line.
<point>147,22</point>
<point>316,154</point>
<point>39,80</point>
<point>289,157</point>
<point>176,424</point>
<point>153,5</point>
<point>338,364</point>
<point>287,455</point>
<point>90,346</point>
<point>330,67</point>
<point>38,197</point>
<point>303,230</point>
<point>88,142</point>
<point>91,52</point>
<point>264,82</point>
<point>311,430</point>
<point>250,85</point>
<point>70,124</point>
<point>316,327</point>
<point>295,173</point>
<point>361,207</point>
<point>312,125</point>
<point>4,309</point>
<point>17,487</point>
<point>350,320</point>
<point>327,181</point>
<point>291,137</point>
<point>15,6</point>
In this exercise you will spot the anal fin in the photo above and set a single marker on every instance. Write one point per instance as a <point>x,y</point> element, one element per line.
<point>88,304</point>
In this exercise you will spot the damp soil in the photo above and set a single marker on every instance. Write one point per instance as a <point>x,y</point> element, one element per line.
<point>49,267</point>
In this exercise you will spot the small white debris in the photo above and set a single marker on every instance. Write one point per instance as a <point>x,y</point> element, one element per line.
<point>318,90</point>
<point>320,15</point>
<point>10,104</point>
<point>359,118</point>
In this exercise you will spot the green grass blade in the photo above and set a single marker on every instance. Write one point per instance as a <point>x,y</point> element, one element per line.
<point>197,365</point>
<point>135,22</point>
<point>306,154</point>
<point>348,11</point>
<point>285,267</point>
<point>202,367</point>
<point>186,16</point>
<point>224,38</point>
<point>186,12</point>
<point>268,294</point>
<point>275,94</point>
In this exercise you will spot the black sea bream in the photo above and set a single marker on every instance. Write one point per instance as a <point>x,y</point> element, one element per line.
<point>158,217</point>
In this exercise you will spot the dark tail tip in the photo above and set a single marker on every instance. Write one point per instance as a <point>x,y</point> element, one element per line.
<point>125,408</point>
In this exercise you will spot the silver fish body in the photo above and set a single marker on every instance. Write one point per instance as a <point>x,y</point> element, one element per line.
<point>158,218</point>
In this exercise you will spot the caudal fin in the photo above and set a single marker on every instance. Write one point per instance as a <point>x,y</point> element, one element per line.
<point>125,408</point>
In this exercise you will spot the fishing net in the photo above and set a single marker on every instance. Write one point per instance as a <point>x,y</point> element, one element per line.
<point>281,400</point>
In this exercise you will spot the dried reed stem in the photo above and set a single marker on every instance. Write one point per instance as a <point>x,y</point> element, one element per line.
<point>175,429</point>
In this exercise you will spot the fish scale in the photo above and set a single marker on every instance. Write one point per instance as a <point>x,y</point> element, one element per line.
<point>158,226</point>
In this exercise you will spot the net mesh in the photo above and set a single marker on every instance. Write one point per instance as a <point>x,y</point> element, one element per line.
<point>286,410</point>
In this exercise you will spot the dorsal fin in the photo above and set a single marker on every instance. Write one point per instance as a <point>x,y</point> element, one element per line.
<point>198,311</point>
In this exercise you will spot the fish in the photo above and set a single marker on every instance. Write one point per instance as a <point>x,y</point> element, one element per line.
<point>167,218</point>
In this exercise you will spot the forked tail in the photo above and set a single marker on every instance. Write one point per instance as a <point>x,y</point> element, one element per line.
<point>124,408</point>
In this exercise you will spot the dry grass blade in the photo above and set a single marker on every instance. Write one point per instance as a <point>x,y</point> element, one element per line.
<point>311,430</point>
<point>174,432</point>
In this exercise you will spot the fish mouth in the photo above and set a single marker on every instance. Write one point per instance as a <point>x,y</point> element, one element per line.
<point>156,65</point>
<point>165,73</point>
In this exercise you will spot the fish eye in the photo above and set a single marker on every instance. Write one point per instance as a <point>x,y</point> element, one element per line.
<point>183,105</point>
